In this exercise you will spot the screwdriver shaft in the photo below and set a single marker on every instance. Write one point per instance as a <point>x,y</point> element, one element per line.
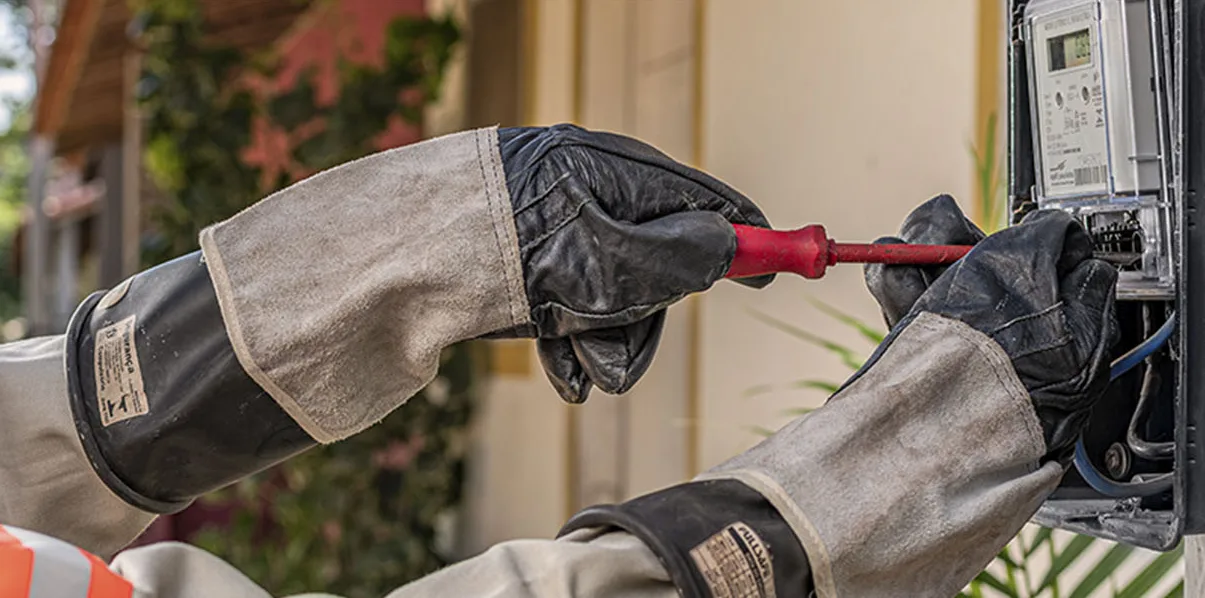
<point>896,254</point>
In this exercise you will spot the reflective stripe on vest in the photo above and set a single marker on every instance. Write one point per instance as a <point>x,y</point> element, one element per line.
<point>36,566</point>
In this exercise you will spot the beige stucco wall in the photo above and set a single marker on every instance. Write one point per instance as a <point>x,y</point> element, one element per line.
<point>843,113</point>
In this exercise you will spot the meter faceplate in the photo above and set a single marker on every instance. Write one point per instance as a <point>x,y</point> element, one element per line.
<point>1068,87</point>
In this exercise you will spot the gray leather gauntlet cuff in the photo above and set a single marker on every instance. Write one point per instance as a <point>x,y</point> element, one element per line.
<point>715,538</point>
<point>162,406</point>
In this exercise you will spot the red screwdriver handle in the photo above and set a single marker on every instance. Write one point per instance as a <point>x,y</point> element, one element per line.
<point>804,251</point>
<point>809,252</point>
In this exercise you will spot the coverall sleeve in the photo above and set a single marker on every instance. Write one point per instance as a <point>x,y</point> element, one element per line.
<point>46,482</point>
<point>47,485</point>
<point>582,564</point>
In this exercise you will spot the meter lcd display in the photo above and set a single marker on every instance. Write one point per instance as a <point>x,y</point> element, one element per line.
<point>1070,50</point>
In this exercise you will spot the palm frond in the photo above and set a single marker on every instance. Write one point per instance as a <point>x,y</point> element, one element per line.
<point>848,356</point>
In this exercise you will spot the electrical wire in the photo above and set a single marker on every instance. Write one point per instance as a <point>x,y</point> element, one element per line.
<point>1145,349</point>
<point>1154,451</point>
<point>1112,489</point>
<point>1094,478</point>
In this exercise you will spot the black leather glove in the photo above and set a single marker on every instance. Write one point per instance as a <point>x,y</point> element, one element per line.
<point>611,233</point>
<point>1035,289</point>
<point>938,221</point>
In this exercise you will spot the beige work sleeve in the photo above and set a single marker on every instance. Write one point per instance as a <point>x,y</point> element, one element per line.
<point>915,475</point>
<point>580,565</point>
<point>339,293</point>
<point>46,482</point>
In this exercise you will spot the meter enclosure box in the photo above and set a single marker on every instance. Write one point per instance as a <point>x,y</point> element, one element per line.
<point>1105,125</point>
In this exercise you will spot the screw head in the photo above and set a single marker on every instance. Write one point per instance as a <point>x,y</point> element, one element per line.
<point>1117,461</point>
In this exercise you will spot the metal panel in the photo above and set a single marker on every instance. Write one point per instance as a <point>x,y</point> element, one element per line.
<point>1156,523</point>
<point>1190,87</point>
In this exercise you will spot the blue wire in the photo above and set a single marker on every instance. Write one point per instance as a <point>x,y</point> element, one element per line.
<point>1112,489</point>
<point>1084,466</point>
<point>1138,354</point>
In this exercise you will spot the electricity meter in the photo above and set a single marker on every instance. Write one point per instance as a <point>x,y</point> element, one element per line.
<point>1106,124</point>
<point>1096,125</point>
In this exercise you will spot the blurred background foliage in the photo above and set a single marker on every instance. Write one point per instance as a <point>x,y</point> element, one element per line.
<point>204,111</point>
<point>14,169</point>
<point>366,515</point>
<point>16,64</point>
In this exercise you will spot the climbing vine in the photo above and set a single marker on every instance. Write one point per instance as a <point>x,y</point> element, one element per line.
<point>362,516</point>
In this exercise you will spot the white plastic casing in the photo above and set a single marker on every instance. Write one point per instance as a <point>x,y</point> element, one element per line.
<point>1096,130</point>
<point>1095,123</point>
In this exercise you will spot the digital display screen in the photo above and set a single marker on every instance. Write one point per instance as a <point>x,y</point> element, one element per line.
<point>1070,50</point>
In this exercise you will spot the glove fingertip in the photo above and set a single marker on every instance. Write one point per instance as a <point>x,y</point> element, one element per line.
<point>944,203</point>
<point>895,288</point>
<point>563,370</point>
<point>615,359</point>
<point>940,221</point>
<point>572,391</point>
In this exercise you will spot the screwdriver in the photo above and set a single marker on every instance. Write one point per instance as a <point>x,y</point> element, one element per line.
<point>809,252</point>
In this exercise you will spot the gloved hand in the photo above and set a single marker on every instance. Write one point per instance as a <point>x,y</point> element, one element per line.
<point>611,232</point>
<point>1035,289</point>
<point>938,221</point>
<point>318,311</point>
<point>931,458</point>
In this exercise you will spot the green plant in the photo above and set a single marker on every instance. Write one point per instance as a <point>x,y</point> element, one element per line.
<point>16,60</point>
<point>1036,563</point>
<point>369,514</point>
<point>204,115</point>
<point>989,178</point>
<point>14,170</point>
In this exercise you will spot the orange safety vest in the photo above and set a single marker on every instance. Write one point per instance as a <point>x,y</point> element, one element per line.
<point>36,566</point>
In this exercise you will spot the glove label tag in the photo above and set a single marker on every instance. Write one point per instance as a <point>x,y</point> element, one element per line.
<point>120,393</point>
<point>736,563</point>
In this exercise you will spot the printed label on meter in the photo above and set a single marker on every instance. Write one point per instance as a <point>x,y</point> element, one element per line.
<point>1070,102</point>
